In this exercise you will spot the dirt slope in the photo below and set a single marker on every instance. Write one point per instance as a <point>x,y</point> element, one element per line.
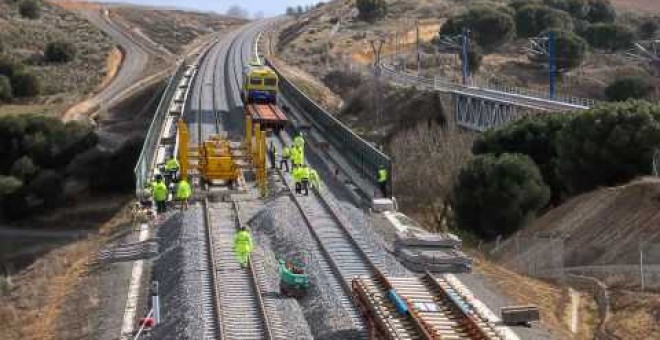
<point>603,227</point>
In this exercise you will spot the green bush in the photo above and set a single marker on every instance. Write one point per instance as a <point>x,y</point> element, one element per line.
<point>608,145</point>
<point>578,9</point>
<point>533,19</point>
<point>59,52</point>
<point>29,9</point>
<point>535,137</point>
<point>24,169</point>
<point>628,88</point>
<point>648,28</point>
<point>601,11</point>
<point>570,51</point>
<point>498,195</point>
<point>609,36</point>
<point>5,89</point>
<point>518,4</point>
<point>9,185</point>
<point>47,186</point>
<point>25,85</point>
<point>371,10</point>
<point>475,56</point>
<point>8,67</point>
<point>490,27</point>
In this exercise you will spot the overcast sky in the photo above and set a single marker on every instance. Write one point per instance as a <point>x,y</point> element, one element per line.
<point>269,7</point>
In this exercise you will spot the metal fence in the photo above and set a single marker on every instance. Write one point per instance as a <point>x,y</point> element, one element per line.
<point>145,164</point>
<point>362,155</point>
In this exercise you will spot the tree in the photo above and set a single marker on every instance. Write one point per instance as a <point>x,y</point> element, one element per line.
<point>498,195</point>
<point>628,88</point>
<point>238,12</point>
<point>570,50</point>
<point>371,10</point>
<point>609,36</point>
<point>290,11</point>
<point>535,137</point>
<point>438,153</point>
<point>578,9</point>
<point>25,84</point>
<point>518,4</point>
<point>608,145</point>
<point>489,27</point>
<point>29,9</point>
<point>47,186</point>
<point>24,169</point>
<point>647,29</point>
<point>59,52</point>
<point>5,89</point>
<point>601,11</point>
<point>534,19</point>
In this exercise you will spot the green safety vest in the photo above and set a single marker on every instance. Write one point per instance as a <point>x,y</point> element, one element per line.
<point>160,192</point>
<point>183,190</point>
<point>382,175</point>
<point>304,173</point>
<point>243,242</point>
<point>172,164</point>
<point>286,153</point>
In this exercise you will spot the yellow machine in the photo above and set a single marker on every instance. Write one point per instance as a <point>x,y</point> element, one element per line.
<point>216,161</point>
<point>260,83</point>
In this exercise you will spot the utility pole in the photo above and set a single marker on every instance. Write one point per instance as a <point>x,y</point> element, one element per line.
<point>465,45</point>
<point>552,62</point>
<point>376,46</point>
<point>419,54</point>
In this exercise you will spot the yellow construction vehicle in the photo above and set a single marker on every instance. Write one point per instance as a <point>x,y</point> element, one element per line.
<point>216,161</point>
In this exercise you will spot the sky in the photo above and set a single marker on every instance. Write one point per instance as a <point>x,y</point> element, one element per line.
<point>269,7</point>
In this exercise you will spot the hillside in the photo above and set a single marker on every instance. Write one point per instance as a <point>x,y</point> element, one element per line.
<point>62,84</point>
<point>600,228</point>
<point>174,29</point>
<point>309,43</point>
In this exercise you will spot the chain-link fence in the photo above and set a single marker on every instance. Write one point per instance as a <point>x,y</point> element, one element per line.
<point>145,164</point>
<point>546,255</point>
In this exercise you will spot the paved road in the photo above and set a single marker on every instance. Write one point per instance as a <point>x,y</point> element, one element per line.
<point>134,64</point>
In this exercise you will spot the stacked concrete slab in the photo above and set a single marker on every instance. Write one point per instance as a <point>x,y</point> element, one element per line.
<point>417,248</point>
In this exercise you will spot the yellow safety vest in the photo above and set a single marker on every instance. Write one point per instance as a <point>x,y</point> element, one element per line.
<point>382,175</point>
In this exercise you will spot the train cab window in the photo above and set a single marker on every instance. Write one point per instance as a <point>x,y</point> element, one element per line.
<point>270,81</point>
<point>255,81</point>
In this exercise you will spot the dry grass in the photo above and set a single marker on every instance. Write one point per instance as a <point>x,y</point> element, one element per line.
<point>25,41</point>
<point>635,315</point>
<point>40,293</point>
<point>173,29</point>
<point>21,109</point>
<point>645,6</point>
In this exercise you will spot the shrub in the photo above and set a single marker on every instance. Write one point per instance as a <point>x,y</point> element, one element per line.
<point>490,27</point>
<point>371,10</point>
<point>578,9</point>
<point>48,186</point>
<point>475,56</point>
<point>8,67</point>
<point>647,29</point>
<point>29,9</point>
<point>5,89</point>
<point>609,36</point>
<point>570,51</point>
<point>59,52</point>
<point>9,185</point>
<point>25,84</point>
<point>497,195</point>
<point>601,11</point>
<point>518,4</point>
<point>535,137</point>
<point>24,169</point>
<point>532,20</point>
<point>628,88</point>
<point>608,145</point>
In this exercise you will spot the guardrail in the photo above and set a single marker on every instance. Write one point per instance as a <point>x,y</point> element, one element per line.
<point>362,155</point>
<point>145,164</point>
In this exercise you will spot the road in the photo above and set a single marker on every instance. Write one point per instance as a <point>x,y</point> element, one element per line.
<point>136,57</point>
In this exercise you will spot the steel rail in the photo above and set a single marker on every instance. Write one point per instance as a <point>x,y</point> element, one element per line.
<point>213,277</point>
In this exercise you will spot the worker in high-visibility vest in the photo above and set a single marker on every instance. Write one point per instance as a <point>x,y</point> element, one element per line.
<point>314,179</point>
<point>298,141</point>
<point>183,193</point>
<point>304,179</point>
<point>243,246</point>
<point>297,178</point>
<point>160,194</point>
<point>296,156</point>
<point>382,180</point>
<point>286,155</point>
<point>171,170</point>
